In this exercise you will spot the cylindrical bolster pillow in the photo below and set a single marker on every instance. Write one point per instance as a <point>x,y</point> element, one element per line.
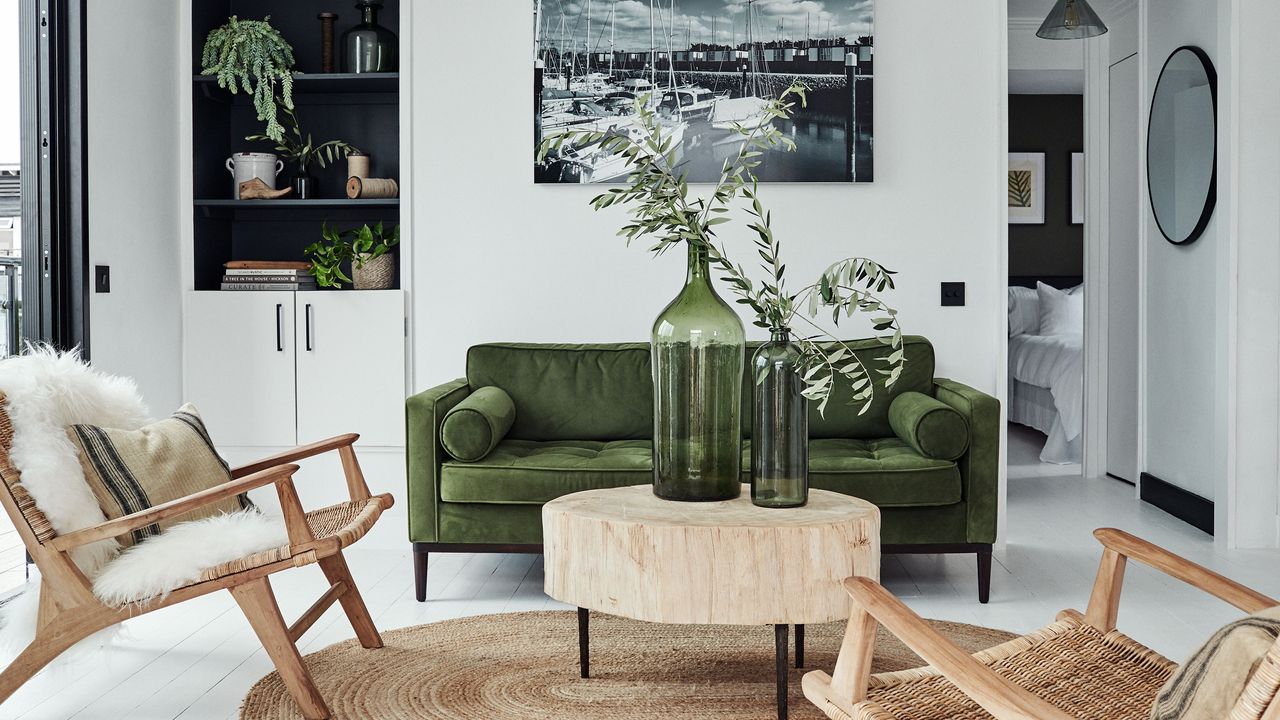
<point>936,430</point>
<point>475,426</point>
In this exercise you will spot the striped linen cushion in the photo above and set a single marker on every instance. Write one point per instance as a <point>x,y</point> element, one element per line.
<point>1208,685</point>
<point>132,470</point>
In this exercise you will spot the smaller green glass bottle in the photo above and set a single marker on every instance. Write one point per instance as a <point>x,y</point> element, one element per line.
<point>779,425</point>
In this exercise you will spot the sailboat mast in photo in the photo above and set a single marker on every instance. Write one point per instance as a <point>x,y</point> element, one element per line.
<point>653,50</point>
<point>671,56</point>
<point>751,48</point>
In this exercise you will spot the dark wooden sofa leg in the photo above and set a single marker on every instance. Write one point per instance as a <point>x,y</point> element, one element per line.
<point>982,549</point>
<point>984,575</point>
<point>420,573</point>
<point>422,550</point>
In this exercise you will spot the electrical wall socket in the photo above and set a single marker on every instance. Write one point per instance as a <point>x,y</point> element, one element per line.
<point>102,278</point>
<point>952,294</point>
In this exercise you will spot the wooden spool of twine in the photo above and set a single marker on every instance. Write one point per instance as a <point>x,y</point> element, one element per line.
<point>358,187</point>
<point>358,165</point>
<point>327,20</point>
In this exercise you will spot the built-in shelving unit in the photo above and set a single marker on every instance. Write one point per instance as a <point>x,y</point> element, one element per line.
<point>256,362</point>
<point>362,109</point>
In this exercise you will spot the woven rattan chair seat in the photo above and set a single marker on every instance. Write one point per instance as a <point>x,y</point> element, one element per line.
<point>347,521</point>
<point>1088,674</point>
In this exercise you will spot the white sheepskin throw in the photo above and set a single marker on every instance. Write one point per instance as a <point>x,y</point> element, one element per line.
<point>181,553</point>
<point>47,391</point>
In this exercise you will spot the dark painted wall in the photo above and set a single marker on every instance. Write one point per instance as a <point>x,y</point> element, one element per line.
<point>1054,125</point>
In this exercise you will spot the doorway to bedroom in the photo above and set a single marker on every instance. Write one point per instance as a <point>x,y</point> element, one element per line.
<point>1073,244</point>
<point>1046,274</point>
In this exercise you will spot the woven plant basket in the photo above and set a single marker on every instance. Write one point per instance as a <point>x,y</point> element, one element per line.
<point>376,274</point>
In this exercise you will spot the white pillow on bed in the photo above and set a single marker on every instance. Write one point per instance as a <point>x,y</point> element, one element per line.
<point>1061,311</point>
<point>1024,311</point>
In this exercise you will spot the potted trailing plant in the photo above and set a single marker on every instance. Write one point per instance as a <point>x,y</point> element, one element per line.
<point>253,56</point>
<point>367,249</point>
<point>793,368</point>
<point>300,149</point>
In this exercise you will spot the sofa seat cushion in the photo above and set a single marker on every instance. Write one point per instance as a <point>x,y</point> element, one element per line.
<point>528,472</point>
<point>887,472</point>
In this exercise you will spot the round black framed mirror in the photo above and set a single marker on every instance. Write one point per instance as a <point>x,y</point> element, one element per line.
<point>1182,145</point>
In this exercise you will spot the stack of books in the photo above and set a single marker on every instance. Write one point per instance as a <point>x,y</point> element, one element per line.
<point>267,275</point>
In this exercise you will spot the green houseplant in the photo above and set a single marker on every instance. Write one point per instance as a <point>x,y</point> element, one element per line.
<point>367,249</point>
<point>792,368</point>
<point>299,148</point>
<point>253,56</point>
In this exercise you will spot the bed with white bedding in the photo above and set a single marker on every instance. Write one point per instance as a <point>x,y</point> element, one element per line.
<point>1046,366</point>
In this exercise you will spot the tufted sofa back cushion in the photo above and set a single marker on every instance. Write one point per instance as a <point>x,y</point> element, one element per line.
<point>570,392</point>
<point>605,391</point>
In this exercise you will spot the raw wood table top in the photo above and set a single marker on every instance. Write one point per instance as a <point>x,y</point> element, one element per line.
<point>627,552</point>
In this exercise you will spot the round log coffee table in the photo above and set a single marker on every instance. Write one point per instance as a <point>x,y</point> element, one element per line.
<point>626,552</point>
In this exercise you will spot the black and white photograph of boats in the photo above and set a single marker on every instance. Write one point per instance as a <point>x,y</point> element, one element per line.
<point>706,67</point>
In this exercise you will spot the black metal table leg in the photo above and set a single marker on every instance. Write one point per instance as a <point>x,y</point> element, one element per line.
<point>780,643</point>
<point>584,642</point>
<point>799,646</point>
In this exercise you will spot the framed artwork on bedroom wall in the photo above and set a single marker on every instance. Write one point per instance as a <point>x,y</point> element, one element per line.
<point>1077,188</point>
<point>1026,188</point>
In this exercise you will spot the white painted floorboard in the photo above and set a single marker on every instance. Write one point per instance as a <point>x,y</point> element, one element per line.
<point>196,661</point>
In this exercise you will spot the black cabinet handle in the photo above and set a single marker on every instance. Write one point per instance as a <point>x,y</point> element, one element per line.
<point>279,327</point>
<point>307,314</point>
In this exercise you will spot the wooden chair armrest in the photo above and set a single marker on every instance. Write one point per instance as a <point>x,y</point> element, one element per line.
<point>1104,601</point>
<point>173,508</point>
<point>357,488</point>
<point>996,695</point>
<point>299,453</point>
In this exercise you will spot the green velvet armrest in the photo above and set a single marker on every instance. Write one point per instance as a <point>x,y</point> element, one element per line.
<point>980,465</point>
<point>424,414</point>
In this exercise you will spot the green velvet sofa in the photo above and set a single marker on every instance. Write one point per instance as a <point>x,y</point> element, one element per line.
<point>531,422</point>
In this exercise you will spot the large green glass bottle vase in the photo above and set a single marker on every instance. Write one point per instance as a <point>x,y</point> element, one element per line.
<point>699,349</point>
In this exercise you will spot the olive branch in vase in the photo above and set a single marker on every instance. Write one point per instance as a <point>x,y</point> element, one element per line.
<point>661,207</point>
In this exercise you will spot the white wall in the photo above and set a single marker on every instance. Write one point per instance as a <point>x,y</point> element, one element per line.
<point>499,258</point>
<point>134,202</point>
<point>1250,103</point>
<point>1122,26</point>
<point>1042,67</point>
<point>1186,301</point>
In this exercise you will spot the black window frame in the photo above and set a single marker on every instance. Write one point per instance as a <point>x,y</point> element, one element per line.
<point>55,191</point>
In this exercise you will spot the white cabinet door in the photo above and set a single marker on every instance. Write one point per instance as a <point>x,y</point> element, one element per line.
<point>239,366</point>
<point>351,369</point>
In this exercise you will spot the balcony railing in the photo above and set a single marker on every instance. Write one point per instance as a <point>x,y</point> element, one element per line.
<point>11,305</point>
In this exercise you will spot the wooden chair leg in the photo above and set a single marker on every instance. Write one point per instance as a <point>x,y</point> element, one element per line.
<point>259,606</point>
<point>335,571</point>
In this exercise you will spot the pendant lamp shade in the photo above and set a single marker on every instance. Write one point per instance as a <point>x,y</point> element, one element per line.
<point>1071,20</point>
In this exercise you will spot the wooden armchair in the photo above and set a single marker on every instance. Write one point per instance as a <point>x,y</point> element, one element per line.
<point>69,611</point>
<point>1079,667</point>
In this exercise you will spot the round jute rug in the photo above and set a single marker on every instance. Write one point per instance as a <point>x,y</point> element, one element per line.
<point>524,666</point>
